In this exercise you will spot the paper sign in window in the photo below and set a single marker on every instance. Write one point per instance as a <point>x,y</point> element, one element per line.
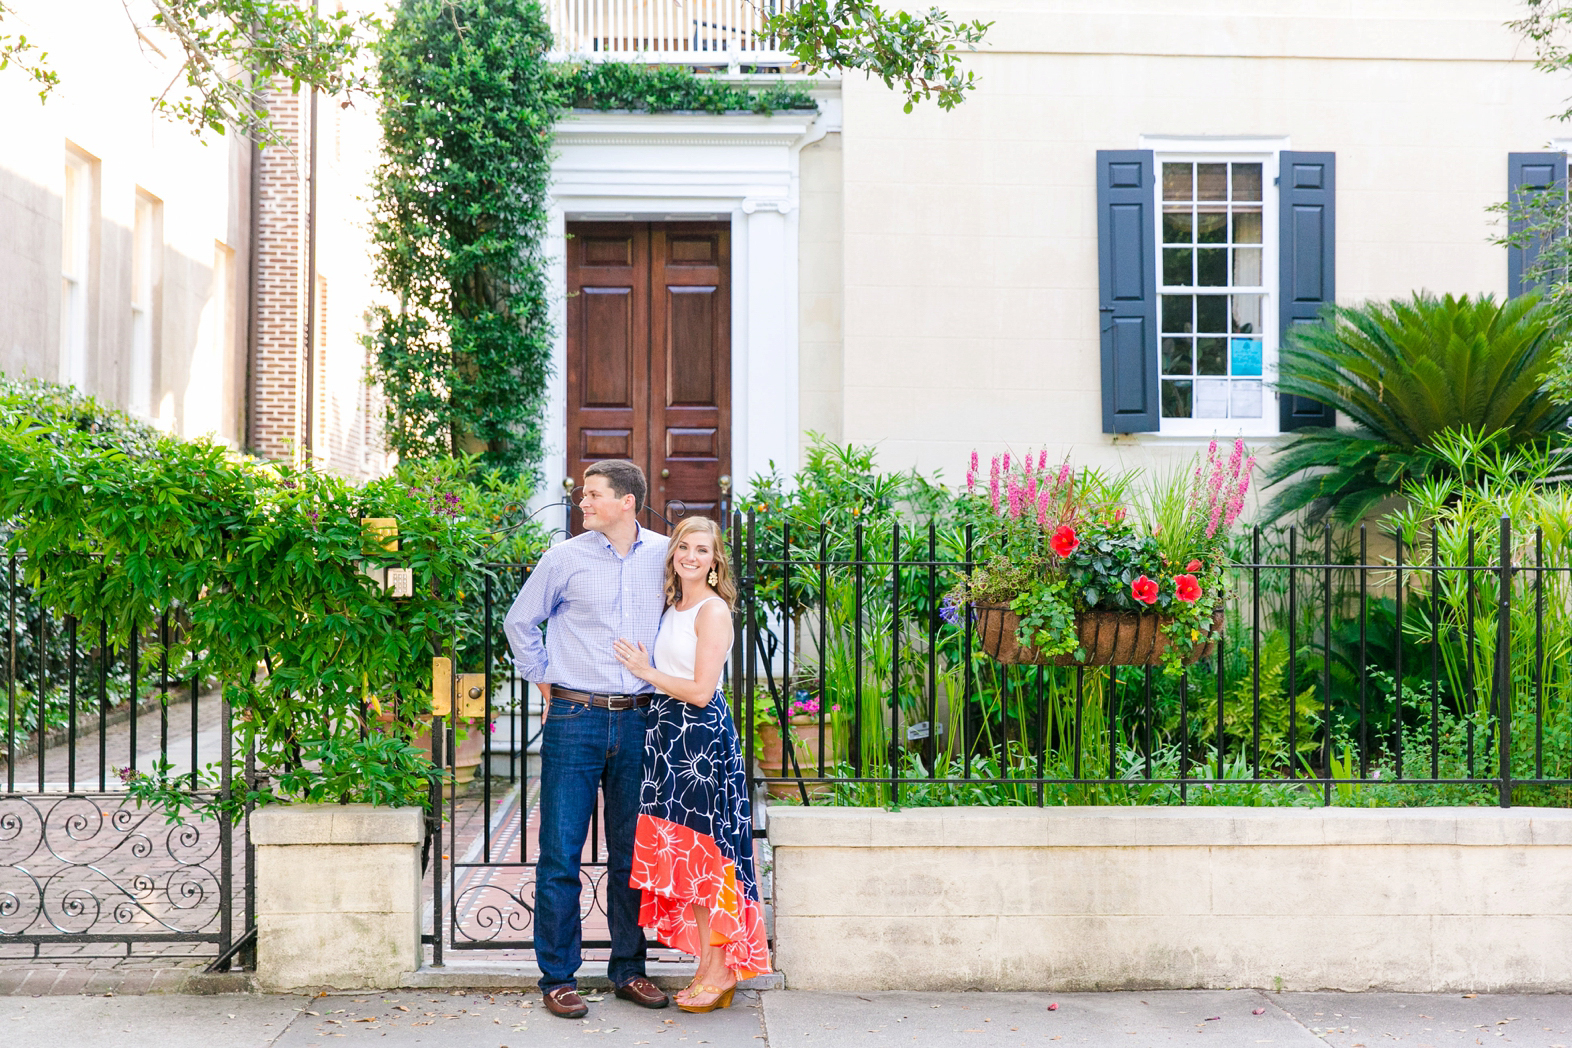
<point>1247,357</point>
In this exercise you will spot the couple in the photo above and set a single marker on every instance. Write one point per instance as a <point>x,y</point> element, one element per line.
<point>658,740</point>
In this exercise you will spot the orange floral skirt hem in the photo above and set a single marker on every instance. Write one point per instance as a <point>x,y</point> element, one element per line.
<point>676,867</point>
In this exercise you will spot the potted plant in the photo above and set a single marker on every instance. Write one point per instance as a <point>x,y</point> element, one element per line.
<point>802,715</point>
<point>1073,571</point>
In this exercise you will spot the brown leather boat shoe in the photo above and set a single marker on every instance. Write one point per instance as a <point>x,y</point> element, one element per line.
<point>565,1003</point>
<point>644,993</point>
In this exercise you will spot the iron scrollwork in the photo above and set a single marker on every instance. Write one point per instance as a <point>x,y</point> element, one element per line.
<point>81,865</point>
<point>488,912</point>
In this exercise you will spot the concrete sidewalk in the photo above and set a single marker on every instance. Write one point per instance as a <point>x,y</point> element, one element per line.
<point>780,1018</point>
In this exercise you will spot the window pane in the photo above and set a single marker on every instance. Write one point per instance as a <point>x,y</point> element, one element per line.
<point>1177,184</point>
<point>1247,181</point>
<point>1247,315</point>
<point>1211,398</point>
<point>1247,267</point>
<point>1176,267</point>
<point>1177,314</point>
<point>1211,314</point>
<point>1211,356</point>
<point>1246,400</point>
<point>1211,267</point>
<point>1176,356</point>
<point>1247,356</point>
<point>1211,182</point>
<point>1176,398</point>
<point>1178,228</point>
<point>1247,227</point>
<point>1211,227</point>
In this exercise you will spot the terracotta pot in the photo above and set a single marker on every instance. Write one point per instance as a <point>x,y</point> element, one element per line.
<point>771,757</point>
<point>1111,638</point>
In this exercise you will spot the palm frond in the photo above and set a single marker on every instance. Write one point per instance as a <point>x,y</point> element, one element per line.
<point>1404,373</point>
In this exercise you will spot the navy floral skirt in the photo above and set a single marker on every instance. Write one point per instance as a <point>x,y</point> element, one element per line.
<point>694,841</point>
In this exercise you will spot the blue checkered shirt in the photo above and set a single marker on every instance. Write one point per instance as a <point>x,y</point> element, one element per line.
<point>591,596</point>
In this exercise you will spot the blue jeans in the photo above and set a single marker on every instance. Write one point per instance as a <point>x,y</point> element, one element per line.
<point>585,749</point>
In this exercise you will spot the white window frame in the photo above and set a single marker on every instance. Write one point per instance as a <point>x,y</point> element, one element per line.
<point>1220,150</point>
<point>146,255</point>
<point>78,204</point>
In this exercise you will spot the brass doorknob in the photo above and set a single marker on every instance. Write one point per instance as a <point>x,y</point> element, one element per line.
<point>725,482</point>
<point>664,474</point>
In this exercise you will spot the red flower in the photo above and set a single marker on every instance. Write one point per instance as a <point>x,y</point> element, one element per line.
<point>1187,589</point>
<point>1144,590</point>
<point>1193,566</point>
<point>1064,541</point>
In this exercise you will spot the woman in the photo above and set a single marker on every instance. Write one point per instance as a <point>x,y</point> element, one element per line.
<point>693,847</point>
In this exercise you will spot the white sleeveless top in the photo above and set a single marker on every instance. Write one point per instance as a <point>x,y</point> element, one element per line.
<point>677,643</point>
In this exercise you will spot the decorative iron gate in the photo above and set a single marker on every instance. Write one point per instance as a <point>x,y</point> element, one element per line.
<point>80,864</point>
<point>483,817</point>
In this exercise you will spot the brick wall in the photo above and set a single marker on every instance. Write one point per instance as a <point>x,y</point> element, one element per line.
<point>278,381</point>
<point>345,417</point>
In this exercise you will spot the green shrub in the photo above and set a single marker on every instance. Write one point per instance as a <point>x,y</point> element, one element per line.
<point>328,675</point>
<point>665,89</point>
<point>1404,372</point>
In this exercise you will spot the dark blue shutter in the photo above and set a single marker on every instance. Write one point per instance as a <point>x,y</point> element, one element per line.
<point>1307,244</point>
<point>1127,288</point>
<point>1529,171</point>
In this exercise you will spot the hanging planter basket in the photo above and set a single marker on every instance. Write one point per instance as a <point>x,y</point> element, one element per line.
<point>1109,638</point>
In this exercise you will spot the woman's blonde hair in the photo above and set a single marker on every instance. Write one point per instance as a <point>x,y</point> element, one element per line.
<point>724,586</point>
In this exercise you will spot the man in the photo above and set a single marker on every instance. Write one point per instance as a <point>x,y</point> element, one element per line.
<point>592,589</point>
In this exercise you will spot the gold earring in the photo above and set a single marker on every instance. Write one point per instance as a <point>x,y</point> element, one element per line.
<point>714,577</point>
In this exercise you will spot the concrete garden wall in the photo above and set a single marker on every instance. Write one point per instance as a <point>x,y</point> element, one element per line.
<point>1427,899</point>
<point>338,895</point>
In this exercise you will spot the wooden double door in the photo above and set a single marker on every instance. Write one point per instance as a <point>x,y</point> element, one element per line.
<point>649,358</point>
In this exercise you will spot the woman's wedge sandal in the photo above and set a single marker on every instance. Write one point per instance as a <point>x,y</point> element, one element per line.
<point>721,999</point>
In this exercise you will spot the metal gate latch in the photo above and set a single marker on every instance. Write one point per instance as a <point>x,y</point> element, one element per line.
<point>471,689</point>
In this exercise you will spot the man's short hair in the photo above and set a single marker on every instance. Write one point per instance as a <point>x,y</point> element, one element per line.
<point>624,477</point>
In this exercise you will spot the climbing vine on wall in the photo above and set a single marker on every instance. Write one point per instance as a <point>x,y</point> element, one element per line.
<point>467,108</point>
<point>469,101</point>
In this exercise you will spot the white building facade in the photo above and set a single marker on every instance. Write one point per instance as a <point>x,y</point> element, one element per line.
<point>1098,252</point>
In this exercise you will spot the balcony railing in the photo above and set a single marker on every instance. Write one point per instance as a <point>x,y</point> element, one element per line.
<point>700,32</point>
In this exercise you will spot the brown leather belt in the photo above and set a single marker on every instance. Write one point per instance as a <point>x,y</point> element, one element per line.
<point>601,699</point>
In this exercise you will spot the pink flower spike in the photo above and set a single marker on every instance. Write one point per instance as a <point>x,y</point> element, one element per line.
<point>1015,498</point>
<point>1065,472</point>
<point>1042,509</point>
<point>1031,487</point>
<point>1217,516</point>
<point>1007,462</point>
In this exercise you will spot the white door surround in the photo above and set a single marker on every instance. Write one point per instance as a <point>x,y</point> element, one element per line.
<point>689,167</point>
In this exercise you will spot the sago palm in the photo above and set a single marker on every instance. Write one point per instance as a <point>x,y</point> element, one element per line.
<point>1403,372</point>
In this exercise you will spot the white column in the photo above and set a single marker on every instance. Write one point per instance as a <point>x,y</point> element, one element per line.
<point>768,381</point>
<point>554,425</point>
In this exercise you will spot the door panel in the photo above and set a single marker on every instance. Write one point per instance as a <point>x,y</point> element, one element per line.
<point>649,357</point>
<point>608,346</point>
<point>690,330</point>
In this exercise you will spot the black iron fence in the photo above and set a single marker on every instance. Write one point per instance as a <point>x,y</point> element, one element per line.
<point>79,863</point>
<point>1355,668</point>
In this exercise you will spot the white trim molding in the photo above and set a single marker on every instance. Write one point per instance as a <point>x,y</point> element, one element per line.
<point>686,167</point>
